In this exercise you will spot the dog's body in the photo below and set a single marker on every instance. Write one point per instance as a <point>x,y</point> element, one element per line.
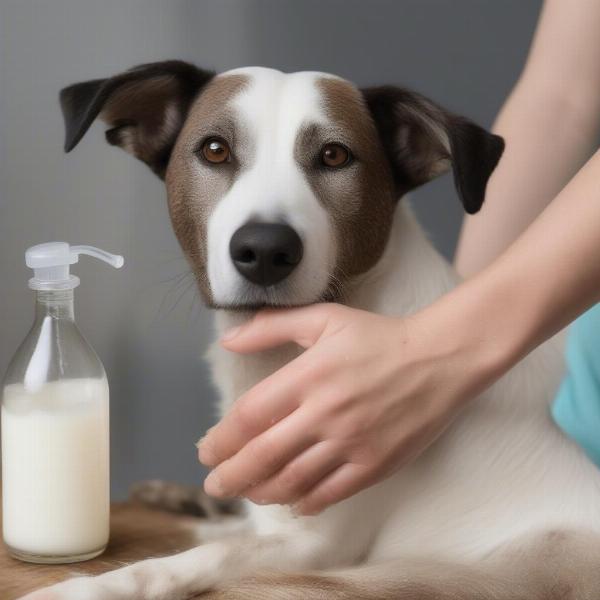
<point>502,506</point>
<point>468,493</point>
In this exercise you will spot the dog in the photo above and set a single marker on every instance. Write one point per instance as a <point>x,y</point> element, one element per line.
<point>287,190</point>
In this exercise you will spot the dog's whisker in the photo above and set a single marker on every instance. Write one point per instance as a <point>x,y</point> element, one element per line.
<point>186,289</point>
<point>177,277</point>
<point>180,281</point>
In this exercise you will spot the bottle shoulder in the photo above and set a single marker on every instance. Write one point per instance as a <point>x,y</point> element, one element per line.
<point>53,349</point>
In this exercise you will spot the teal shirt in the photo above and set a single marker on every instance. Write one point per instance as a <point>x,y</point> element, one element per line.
<point>576,409</point>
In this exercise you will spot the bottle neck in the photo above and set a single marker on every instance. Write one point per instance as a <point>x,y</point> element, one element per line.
<point>57,304</point>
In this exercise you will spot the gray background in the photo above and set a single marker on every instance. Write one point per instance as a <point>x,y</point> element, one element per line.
<point>145,321</point>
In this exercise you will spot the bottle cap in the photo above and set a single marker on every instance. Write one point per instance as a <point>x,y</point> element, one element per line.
<point>51,261</point>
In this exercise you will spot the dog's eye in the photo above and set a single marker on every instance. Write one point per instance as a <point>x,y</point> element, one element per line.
<point>335,155</point>
<point>216,150</point>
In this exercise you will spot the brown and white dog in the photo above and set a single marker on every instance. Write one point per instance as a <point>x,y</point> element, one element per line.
<point>285,189</point>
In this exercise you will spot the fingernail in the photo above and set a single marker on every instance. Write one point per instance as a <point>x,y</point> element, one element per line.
<point>203,438</point>
<point>230,333</point>
<point>206,456</point>
<point>213,485</point>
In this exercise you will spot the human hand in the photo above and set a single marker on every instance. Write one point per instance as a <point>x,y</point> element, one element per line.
<point>368,395</point>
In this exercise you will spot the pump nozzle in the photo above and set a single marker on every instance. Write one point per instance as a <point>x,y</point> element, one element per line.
<point>50,263</point>
<point>116,260</point>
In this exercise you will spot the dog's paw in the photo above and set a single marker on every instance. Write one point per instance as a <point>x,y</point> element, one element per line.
<point>180,498</point>
<point>80,588</point>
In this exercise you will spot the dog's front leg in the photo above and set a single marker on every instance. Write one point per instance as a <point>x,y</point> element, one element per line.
<point>197,570</point>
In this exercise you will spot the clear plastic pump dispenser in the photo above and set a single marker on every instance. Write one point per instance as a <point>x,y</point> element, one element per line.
<point>55,432</point>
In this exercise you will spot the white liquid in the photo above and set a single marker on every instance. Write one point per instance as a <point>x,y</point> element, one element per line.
<point>55,468</point>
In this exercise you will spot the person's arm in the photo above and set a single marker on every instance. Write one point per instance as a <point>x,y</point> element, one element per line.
<point>551,124</point>
<point>372,392</point>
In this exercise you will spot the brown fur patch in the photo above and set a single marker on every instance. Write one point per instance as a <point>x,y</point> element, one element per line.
<point>279,586</point>
<point>193,187</point>
<point>359,197</point>
<point>145,117</point>
<point>180,498</point>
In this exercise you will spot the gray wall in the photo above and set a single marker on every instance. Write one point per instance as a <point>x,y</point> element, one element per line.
<point>145,321</point>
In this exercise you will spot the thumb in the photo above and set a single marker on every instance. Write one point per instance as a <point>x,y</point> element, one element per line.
<point>273,327</point>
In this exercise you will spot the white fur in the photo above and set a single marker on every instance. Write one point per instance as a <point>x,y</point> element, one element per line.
<point>502,469</point>
<point>273,189</point>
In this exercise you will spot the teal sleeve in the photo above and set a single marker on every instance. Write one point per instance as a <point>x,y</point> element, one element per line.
<point>576,409</point>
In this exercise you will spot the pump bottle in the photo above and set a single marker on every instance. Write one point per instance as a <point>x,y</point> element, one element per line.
<point>55,424</point>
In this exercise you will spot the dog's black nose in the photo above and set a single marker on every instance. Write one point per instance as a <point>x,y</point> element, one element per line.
<point>265,253</point>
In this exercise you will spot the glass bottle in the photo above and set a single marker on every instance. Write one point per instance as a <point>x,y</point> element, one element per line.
<point>55,424</point>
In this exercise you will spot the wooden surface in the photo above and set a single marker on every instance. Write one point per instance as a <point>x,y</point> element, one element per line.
<point>137,532</point>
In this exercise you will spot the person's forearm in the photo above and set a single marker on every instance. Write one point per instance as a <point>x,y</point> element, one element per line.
<point>549,276</point>
<point>550,123</point>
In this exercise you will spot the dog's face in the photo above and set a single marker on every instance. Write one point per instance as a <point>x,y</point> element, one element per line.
<point>281,187</point>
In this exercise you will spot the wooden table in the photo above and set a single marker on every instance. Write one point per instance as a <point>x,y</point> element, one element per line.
<point>136,532</point>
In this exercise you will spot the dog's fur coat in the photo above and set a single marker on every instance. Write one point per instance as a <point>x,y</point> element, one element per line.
<point>502,506</point>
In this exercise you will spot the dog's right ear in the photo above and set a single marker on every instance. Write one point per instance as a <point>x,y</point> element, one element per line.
<point>144,107</point>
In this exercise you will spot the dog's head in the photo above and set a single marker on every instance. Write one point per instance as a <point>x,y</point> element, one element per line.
<point>281,187</point>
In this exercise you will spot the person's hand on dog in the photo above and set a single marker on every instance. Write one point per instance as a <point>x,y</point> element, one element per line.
<point>367,396</point>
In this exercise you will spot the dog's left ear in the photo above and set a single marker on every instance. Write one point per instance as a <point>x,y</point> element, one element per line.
<point>145,108</point>
<point>423,140</point>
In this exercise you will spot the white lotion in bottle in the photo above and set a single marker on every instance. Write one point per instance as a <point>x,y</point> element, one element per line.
<point>55,424</point>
